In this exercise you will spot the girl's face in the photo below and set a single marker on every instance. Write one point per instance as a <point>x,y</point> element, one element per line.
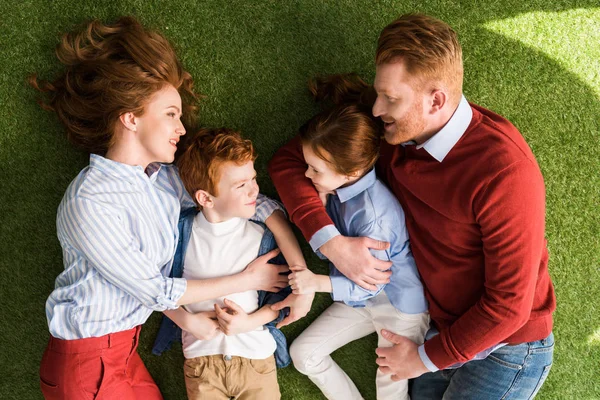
<point>320,172</point>
<point>159,127</point>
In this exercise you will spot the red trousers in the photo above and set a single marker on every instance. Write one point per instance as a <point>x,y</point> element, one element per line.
<point>106,367</point>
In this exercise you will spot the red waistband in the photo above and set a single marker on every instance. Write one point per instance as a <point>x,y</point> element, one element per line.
<point>94,343</point>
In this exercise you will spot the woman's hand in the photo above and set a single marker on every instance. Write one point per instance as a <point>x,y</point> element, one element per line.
<point>264,276</point>
<point>203,325</point>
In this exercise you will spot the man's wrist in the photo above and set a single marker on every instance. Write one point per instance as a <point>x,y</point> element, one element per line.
<point>425,359</point>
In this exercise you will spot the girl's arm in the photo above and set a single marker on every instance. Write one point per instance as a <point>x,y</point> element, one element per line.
<point>304,281</point>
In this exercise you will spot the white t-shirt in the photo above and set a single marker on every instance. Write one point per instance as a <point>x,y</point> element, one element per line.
<point>223,249</point>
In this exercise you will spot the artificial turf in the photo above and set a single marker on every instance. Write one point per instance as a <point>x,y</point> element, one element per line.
<point>535,62</point>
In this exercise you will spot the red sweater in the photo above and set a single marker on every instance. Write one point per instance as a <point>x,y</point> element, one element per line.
<point>476,225</point>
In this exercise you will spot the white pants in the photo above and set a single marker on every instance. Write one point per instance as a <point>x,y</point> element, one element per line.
<point>341,324</point>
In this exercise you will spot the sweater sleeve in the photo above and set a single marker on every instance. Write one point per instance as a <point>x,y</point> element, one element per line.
<point>510,211</point>
<point>297,193</point>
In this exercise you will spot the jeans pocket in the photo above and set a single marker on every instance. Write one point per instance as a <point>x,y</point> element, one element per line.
<point>545,373</point>
<point>499,361</point>
<point>194,368</point>
<point>263,367</point>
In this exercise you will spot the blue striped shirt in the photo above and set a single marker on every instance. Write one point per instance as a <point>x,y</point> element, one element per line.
<point>117,226</point>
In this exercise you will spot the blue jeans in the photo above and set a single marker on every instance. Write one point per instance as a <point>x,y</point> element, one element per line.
<point>511,372</point>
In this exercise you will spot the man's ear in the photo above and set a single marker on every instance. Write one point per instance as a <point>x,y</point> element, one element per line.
<point>204,199</point>
<point>438,101</point>
<point>129,121</point>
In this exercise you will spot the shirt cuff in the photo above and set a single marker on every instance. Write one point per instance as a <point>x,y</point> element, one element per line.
<point>322,236</point>
<point>430,366</point>
<point>266,206</point>
<point>339,287</point>
<point>176,287</point>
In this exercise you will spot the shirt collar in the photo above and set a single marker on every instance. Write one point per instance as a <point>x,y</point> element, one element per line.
<point>348,192</point>
<point>123,171</point>
<point>440,144</point>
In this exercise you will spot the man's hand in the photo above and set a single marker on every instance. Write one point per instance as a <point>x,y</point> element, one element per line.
<point>233,319</point>
<point>351,256</point>
<point>264,276</point>
<point>299,305</point>
<point>402,360</point>
<point>303,281</point>
<point>203,325</point>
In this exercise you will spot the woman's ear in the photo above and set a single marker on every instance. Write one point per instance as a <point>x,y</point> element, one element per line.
<point>129,121</point>
<point>204,199</point>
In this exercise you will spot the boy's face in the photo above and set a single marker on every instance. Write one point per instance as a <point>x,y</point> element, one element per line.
<point>237,190</point>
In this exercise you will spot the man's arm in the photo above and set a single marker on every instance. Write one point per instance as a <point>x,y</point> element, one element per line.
<point>306,210</point>
<point>511,213</point>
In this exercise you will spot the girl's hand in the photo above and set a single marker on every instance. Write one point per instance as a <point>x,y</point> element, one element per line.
<point>203,325</point>
<point>303,281</point>
<point>234,319</point>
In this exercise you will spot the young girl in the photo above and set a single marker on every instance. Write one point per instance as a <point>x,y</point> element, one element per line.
<point>340,146</point>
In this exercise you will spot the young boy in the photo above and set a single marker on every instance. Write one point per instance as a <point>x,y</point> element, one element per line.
<point>232,352</point>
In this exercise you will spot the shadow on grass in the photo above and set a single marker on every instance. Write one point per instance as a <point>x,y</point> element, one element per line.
<point>253,62</point>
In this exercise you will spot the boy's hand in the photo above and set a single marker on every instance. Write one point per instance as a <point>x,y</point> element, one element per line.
<point>203,325</point>
<point>233,321</point>
<point>264,276</point>
<point>299,305</point>
<point>303,281</point>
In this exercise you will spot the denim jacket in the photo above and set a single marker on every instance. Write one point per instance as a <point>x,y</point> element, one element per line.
<point>169,331</point>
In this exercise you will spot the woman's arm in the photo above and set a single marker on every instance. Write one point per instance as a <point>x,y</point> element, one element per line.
<point>259,275</point>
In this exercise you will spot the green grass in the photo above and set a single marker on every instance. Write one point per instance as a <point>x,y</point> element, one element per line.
<point>535,62</point>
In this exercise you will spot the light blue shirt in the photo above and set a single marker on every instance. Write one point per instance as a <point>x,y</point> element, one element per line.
<point>369,208</point>
<point>438,146</point>
<point>117,226</point>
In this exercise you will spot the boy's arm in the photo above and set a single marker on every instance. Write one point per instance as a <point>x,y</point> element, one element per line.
<point>235,320</point>
<point>286,240</point>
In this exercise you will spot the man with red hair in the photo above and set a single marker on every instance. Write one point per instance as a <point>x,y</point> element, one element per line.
<point>474,199</point>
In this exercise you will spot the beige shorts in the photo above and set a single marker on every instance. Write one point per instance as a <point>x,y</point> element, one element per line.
<point>218,377</point>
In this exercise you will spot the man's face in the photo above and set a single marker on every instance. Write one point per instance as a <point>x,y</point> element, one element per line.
<point>400,104</point>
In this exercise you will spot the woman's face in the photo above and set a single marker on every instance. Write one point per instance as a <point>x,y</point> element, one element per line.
<point>159,127</point>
